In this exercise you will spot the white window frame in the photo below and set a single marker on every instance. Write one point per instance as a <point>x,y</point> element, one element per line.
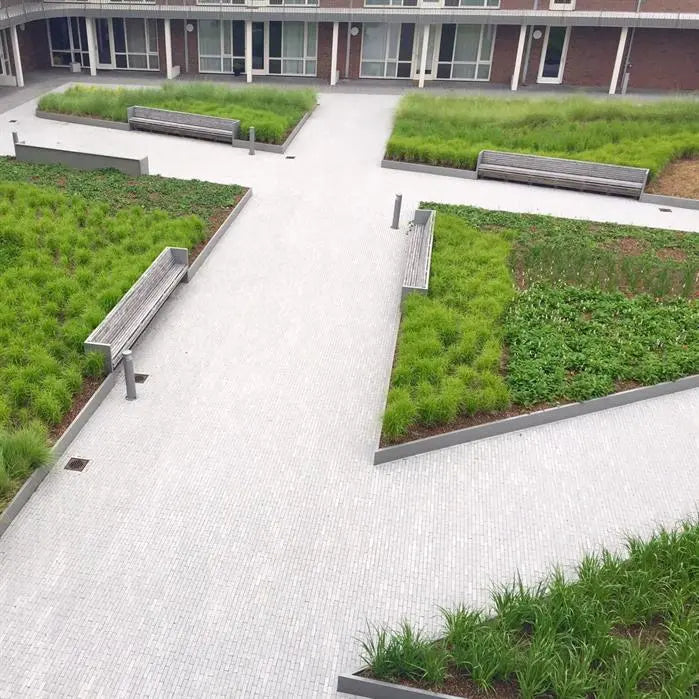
<point>149,49</point>
<point>306,55</point>
<point>562,5</point>
<point>221,56</point>
<point>430,68</point>
<point>387,58</point>
<point>75,44</point>
<point>479,58</point>
<point>564,54</point>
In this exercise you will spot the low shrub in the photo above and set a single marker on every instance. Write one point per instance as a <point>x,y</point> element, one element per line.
<point>273,112</point>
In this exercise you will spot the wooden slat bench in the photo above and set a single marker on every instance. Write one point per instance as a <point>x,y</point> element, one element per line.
<point>129,318</point>
<point>560,172</point>
<point>417,266</point>
<point>183,124</point>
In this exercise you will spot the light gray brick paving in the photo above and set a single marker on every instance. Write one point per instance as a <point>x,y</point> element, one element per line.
<point>230,537</point>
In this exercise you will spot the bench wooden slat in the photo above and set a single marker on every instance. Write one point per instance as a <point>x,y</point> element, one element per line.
<point>419,255</point>
<point>561,172</point>
<point>127,320</point>
<point>183,123</point>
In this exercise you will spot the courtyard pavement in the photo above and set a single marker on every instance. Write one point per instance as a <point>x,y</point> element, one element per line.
<point>230,536</point>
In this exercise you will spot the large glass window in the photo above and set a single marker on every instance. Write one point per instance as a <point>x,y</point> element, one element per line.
<point>387,50</point>
<point>293,48</point>
<point>465,51</point>
<point>221,46</point>
<point>135,43</point>
<point>472,3</point>
<point>68,41</point>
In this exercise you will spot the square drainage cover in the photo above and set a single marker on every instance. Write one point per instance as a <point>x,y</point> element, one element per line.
<point>140,378</point>
<point>75,464</point>
<point>665,211</point>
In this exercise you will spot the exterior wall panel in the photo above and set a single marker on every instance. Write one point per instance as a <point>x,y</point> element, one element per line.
<point>665,59</point>
<point>591,54</point>
<point>504,54</point>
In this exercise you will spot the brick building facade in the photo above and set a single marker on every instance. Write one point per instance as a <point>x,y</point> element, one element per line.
<point>603,44</point>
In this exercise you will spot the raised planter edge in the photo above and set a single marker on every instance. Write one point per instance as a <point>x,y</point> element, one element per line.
<point>376,689</point>
<point>85,121</point>
<point>429,169</point>
<point>664,200</point>
<point>540,417</point>
<point>213,241</point>
<point>59,448</point>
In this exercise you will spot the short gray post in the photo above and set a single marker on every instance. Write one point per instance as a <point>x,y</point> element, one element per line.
<point>15,137</point>
<point>251,135</point>
<point>396,211</point>
<point>129,376</point>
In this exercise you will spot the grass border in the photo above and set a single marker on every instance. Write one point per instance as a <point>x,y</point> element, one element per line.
<point>540,417</point>
<point>235,143</point>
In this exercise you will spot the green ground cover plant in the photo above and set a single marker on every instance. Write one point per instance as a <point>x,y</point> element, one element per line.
<point>451,131</point>
<point>525,310</point>
<point>273,112</point>
<point>71,244</point>
<point>622,626</point>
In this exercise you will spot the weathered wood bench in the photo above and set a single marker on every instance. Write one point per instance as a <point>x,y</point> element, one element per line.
<point>559,172</point>
<point>417,266</point>
<point>129,318</point>
<point>183,124</point>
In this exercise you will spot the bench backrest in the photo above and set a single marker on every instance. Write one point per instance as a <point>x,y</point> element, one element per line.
<point>583,168</point>
<point>171,117</point>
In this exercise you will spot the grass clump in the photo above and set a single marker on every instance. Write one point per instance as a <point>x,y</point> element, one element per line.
<point>21,452</point>
<point>450,342</point>
<point>623,626</point>
<point>525,309</point>
<point>451,131</point>
<point>273,112</point>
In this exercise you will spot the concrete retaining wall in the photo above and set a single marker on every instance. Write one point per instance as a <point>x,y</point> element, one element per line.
<point>81,161</point>
<point>429,169</point>
<point>677,202</point>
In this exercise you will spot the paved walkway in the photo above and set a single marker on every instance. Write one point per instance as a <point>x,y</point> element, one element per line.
<point>230,536</point>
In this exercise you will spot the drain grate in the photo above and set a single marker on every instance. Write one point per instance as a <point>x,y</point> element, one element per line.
<point>75,464</point>
<point>291,157</point>
<point>665,211</point>
<point>140,378</point>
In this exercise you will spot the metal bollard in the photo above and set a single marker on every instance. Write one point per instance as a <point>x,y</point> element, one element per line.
<point>15,137</point>
<point>252,140</point>
<point>129,376</point>
<point>396,211</point>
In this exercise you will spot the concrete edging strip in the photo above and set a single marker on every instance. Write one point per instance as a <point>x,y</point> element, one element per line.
<point>236,142</point>
<point>59,448</point>
<point>85,121</point>
<point>375,689</point>
<point>663,200</point>
<point>80,160</point>
<point>429,169</point>
<point>541,417</point>
<point>213,241</point>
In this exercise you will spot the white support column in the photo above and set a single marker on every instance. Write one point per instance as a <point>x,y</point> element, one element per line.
<point>423,55</point>
<point>248,50</point>
<point>168,51</point>
<point>333,55</point>
<point>19,75</point>
<point>618,59</point>
<point>91,44</point>
<point>518,61</point>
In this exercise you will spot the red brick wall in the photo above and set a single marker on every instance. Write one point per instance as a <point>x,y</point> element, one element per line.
<point>532,69</point>
<point>325,38</point>
<point>193,48</point>
<point>33,47</point>
<point>504,54</point>
<point>591,54</point>
<point>666,59</point>
<point>161,45</point>
<point>355,52</point>
<point>177,33</point>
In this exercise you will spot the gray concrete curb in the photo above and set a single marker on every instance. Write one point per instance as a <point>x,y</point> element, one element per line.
<point>213,241</point>
<point>375,689</point>
<point>429,169</point>
<point>541,417</point>
<point>59,448</point>
<point>662,200</point>
<point>236,142</point>
<point>86,121</point>
<point>80,160</point>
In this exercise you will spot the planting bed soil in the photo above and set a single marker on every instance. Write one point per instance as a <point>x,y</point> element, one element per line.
<point>621,626</point>
<point>274,113</point>
<point>527,312</point>
<point>451,131</point>
<point>71,244</point>
<point>678,179</point>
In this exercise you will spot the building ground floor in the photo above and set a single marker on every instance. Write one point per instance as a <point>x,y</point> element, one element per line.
<point>613,58</point>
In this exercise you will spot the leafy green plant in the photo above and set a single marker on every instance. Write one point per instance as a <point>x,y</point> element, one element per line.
<point>445,130</point>
<point>570,638</point>
<point>273,112</point>
<point>21,452</point>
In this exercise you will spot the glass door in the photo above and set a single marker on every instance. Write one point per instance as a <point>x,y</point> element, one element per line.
<point>553,55</point>
<point>105,42</point>
<point>258,47</point>
<point>432,43</point>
